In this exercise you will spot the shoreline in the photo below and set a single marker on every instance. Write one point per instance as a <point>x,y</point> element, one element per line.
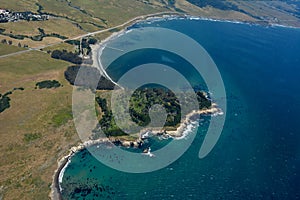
<point>178,134</point>
<point>96,53</point>
<point>97,50</point>
<point>185,16</point>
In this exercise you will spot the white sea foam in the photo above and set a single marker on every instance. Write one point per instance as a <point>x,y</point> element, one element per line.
<point>149,153</point>
<point>61,174</point>
<point>283,26</point>
<point>188,130</point>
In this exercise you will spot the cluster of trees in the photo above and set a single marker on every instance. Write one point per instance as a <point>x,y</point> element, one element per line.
<point>9,42</point>
<point>87,78</point>
<point>4,99</point>
<point>144,98</point>
<point>84,44</point>
<point>4,102</point>
<point>67,56</point>
<point>92,41</point>
<point>39,37</point>
<point>42,34</point>
<point>107,122</point>
<point>48,84</point>
<point>73,42</point>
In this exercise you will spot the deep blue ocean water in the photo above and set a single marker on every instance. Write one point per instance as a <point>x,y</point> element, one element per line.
<point>258,154</point>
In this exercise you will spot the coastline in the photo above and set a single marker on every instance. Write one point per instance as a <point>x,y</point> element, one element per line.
<point>179,133</point>
<point>55,193</point>
<point>96,52</point>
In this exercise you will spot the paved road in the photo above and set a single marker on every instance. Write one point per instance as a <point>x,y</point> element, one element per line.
<point>90,34</point>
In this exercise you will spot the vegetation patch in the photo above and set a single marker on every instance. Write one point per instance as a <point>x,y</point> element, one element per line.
<point>73,42</point>
<point>29,137</point>
<point>107,122</point>
<point>140,104</point>
<point>62,117</point>
<point>48,84</point>
<point>4,99</point>
<point>88,75</point>
<point>39,37</point>
<point>4,102</point>
<point>142,100</point>
<point>92,41</point>
<point>6,47</point>
<point>66,56</point>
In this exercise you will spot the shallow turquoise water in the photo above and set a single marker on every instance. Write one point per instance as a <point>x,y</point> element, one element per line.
<point>258,154</point>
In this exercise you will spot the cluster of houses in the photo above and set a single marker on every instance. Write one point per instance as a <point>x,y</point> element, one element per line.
<point>8,16</point>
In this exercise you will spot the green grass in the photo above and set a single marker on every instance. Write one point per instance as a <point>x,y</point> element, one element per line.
<point>7,49</point>
<point>61,8</point>
<point>53,25</point>
<point>29,137</point>
<point>62,117</point>
<point>30,63</point>
<point>111,10</point>
<point>61,46</point>
<point>20,5</point>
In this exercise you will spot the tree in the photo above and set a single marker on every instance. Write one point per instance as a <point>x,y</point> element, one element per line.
<point>10,42</point>
<point>19,45</point>
<point>92,41</point>
<point>56,54</point>
<point>67,56</point>
<point>88,74</point>
<point>4,41</point>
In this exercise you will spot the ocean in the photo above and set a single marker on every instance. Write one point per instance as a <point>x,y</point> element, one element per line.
<point>258,153</point>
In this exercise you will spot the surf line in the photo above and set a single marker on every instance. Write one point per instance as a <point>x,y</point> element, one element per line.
<point>100,66</point>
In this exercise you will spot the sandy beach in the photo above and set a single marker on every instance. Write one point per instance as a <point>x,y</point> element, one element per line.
<point>96,53</point>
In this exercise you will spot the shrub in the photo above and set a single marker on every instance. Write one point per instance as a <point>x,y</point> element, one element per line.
<point>4,102</point>
<point>92,41</point>
<point>48,84</point>
<point>67,56</point>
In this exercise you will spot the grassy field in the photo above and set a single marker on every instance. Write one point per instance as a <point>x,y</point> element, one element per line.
<point>19,5</point>
<point>7,49</point>
<point>73,18</point>
<point>37,129</point>
<point>53,25</point>
<point>111,10</point>
<point>61,46</point>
